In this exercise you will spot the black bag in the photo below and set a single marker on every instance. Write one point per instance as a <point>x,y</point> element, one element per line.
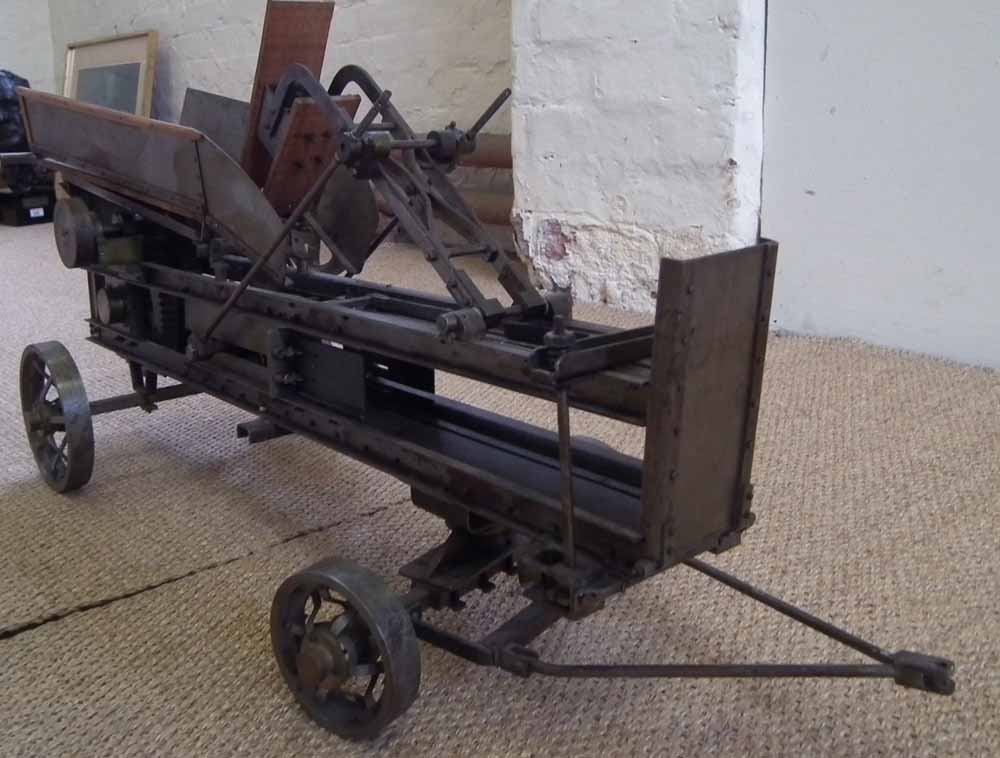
<point>12,136</point>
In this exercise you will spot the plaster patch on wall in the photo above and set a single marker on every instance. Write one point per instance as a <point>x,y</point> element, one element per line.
<point>613,264</point>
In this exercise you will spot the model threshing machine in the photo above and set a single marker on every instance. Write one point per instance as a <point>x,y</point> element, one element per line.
<point>243,282</point>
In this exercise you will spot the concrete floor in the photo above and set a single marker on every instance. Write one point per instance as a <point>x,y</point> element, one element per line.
<point>147,593</point>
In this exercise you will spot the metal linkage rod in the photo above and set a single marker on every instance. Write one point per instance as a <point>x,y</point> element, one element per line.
<point>383,235</point>
<point>488,114</point>
<point>566,496</point>
<point>525,664</point>
<point>787,609</point>
<point>136,400</point>
<point>297,214</point>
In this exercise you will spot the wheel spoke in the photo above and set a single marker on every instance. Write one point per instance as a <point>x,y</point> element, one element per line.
<point>342,622</point>
<point>46,386</point>
<point>328,596</point>
<point>366,669</point>
<point>316,603</point>
<point>56,460</point>
<point>369,696</point>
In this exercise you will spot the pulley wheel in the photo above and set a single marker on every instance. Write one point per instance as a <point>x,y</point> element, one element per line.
<point>346,648</point>
<point>57,416</point>
<point>76,233</point>
<point>347,212</point>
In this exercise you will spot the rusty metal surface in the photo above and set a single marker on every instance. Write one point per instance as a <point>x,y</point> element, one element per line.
<point>709,343</point>
<point>164,165</point>
<point>492,151</point>
<point>223,120</point>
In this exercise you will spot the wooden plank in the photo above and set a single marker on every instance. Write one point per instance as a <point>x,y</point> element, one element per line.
<point>294,32</point>
<point>306,147</point>
<point>32,96</point>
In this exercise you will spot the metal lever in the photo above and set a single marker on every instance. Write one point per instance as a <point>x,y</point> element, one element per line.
<point>490,112</point>
<point>451,142</point>
<point>369,118</point>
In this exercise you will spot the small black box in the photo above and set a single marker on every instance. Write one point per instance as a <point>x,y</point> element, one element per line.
<point>23,209</point>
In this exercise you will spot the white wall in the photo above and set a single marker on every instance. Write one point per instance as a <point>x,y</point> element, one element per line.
<point>881,172</point>
<point>637,134</point>
<point>26,43</point>
<point>444,59</point>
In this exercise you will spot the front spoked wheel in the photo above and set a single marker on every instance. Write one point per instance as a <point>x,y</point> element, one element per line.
<point>346,648</point>
<point>57,417</point>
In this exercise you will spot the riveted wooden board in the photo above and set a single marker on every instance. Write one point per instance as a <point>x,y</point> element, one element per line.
<point>294,32</point>
<point>307,145</point>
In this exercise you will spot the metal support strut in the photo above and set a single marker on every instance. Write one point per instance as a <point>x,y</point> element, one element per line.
<point>908,669</point>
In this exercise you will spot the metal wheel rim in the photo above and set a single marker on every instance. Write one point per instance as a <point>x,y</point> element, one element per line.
<point>52,391</point>
<point>379,616</point>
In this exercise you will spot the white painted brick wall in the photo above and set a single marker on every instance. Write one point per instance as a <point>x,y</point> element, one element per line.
<point>443,59</point>
<point>25,41</point>
<point>637,134</point>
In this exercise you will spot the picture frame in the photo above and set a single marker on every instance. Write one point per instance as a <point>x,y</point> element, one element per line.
<point>115,72</point>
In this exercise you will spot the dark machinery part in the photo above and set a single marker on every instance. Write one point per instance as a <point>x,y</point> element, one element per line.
<point>351,364</point>
<point>346,647</point>
<point>76,230</point>
<point>347,217</point>
<point>13,136</point>
<point>57,416</point>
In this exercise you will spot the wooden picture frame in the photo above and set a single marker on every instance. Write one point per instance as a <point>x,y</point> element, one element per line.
<point>116,72</point>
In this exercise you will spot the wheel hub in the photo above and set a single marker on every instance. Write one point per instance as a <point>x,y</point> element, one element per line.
<point>324,659</point>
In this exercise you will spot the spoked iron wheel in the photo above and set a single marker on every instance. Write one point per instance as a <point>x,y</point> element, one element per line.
<point>346,648</point>
<point>57,416</point>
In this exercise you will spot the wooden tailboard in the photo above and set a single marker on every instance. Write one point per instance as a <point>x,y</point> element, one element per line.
<point>163,165</point>
<point>294,32</point>
<point>306,146</point>
<point>712,318</point>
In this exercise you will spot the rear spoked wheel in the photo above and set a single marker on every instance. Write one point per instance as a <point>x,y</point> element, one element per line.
<point>346,648</point>
<point>57,417</point>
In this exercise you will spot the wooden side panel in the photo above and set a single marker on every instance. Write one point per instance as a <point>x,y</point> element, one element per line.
<point>711,334</point>
<point>307,145</point>
<point>294,32</point>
